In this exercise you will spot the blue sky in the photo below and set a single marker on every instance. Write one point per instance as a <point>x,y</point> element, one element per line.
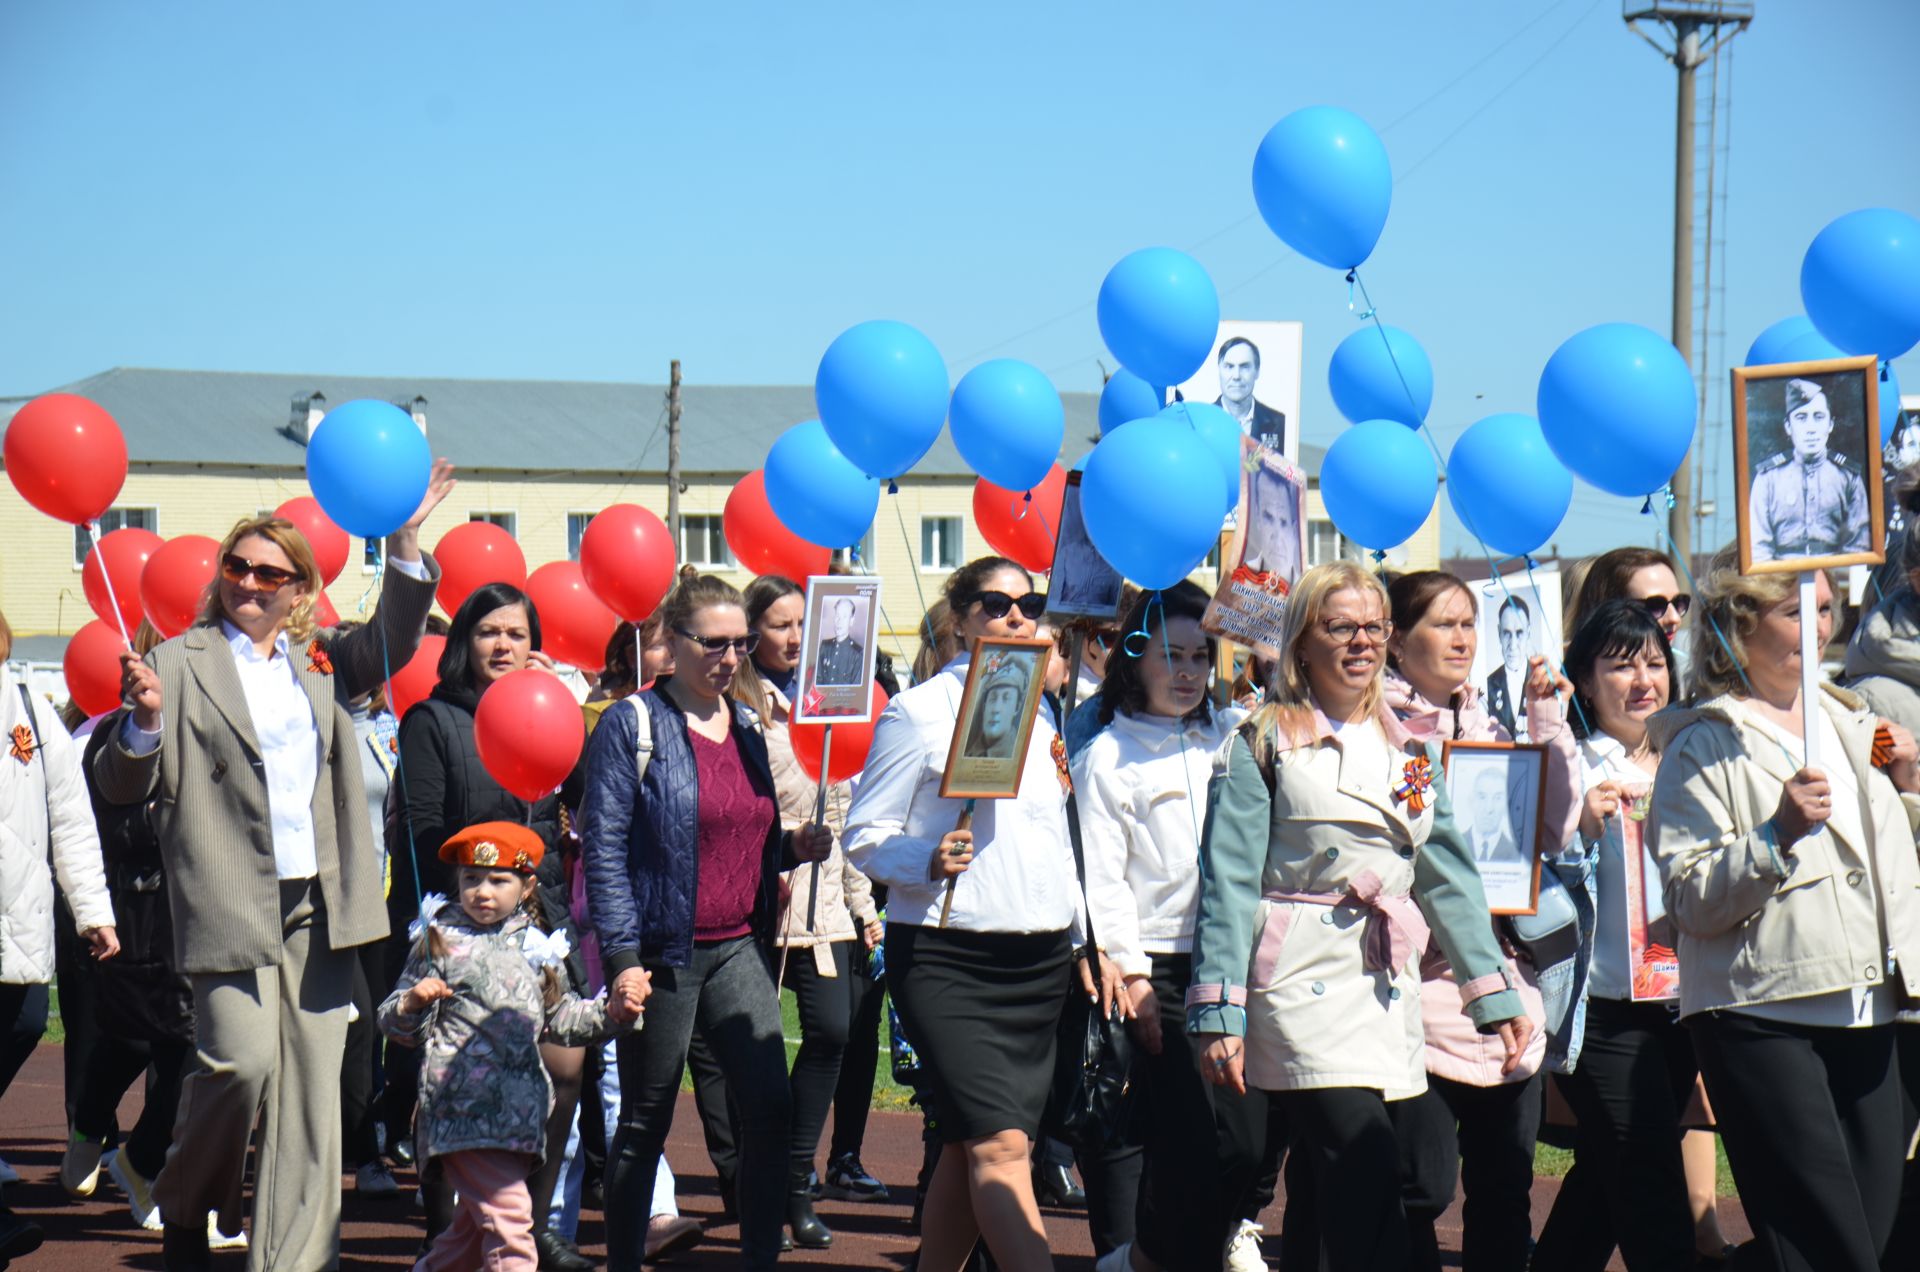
<point>584,191</point>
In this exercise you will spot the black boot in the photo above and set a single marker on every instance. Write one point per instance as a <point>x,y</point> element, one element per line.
<point>183,1248</point>
<point>1054,1185</point>
<point>808,1232</point>
<point>557,1254</point>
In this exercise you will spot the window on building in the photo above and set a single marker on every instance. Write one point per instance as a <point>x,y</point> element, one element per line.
<point>940,543</point>
<point>846,556</point>
<point>505,520</point>
<point>702,543</point>
<point>111,520</point>
<point>576,527</point>
<point>1324,544</point>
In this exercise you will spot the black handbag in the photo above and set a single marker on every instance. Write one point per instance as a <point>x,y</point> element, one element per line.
<point>1093,1064</point>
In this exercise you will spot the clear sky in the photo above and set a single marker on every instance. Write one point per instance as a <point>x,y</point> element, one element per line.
<point>586,190</point>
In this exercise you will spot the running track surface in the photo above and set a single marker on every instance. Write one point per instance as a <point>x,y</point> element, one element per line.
<point>86,1236</point>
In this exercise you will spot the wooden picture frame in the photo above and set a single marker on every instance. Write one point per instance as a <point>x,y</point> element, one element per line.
<point>1080,583</point>
<point>988,753</point>
<point>1808,501</point>
<point>835,684</point>
<point>1505,784</point>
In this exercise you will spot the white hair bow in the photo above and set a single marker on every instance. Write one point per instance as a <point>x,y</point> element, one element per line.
<point>430,907</point>
<point>545,949</point>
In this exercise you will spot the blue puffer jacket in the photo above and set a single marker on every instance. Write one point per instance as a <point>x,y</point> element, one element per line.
<point>641,842</point>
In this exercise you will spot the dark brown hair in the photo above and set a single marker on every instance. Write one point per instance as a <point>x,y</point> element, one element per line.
<point>1607,577</point>
<point>1410,596</point>
<point>1124,689</point>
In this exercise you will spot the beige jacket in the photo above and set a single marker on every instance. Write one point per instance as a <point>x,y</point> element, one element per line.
<point>846,896</point>
<point>1758,925</point>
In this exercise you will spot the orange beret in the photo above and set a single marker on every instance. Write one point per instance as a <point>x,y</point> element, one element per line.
<point>495,845</point>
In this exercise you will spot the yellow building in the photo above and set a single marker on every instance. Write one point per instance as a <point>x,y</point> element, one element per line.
<point>539,458</point>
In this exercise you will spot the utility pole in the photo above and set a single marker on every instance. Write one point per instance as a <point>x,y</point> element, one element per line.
<point>1693,29</point>
<point>673,455</point>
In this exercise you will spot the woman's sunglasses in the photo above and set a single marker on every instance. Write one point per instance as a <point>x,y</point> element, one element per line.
<point>266,578</point>
<point>998,604</point>
<point>717,646</point>
<point>1657,605</point>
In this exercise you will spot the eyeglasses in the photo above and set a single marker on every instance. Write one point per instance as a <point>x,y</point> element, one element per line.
<point>1343,631</point>
<point>717,646</point>
<point>267,578</point>
<point>998,604</point>
<point>1657,605</point>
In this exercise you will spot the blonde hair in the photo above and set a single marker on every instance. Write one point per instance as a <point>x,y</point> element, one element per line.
<point>282,534</point>
<point>1290,708</point>
<point>1731,606</point>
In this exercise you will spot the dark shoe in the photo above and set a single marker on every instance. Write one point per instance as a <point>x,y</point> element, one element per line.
<point>183,1248</point>
<point>594,1195</point>
<point>848,1180</point>
<point>729,1201</point>
<point>557,1254</point>
<point>19,1236</point>
<point>808,1232</point>
<point>1055,1186</point>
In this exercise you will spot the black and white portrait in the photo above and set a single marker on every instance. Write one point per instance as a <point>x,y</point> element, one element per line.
<point>1254,376</point>
<point>991,731</point>
<point>1808,452</point>
<point>837,647</point>
<point>994,731</point>
<point>1081,583</point>
<point>1519,618</point>
<point>1276,532</point>
<point>1496,791</point>
<point>1264,558</point>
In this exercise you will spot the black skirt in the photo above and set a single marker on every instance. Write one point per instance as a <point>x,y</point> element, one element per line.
<point>983,1010</point>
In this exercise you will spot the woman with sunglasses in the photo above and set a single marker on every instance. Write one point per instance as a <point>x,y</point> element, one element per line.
<point>1644,576</point>
<point>1307,947</point>
<point>683,866</point>
<point>982,996</point>
<point>239,728</point>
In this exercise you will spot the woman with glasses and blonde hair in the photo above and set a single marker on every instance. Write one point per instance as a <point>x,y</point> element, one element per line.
<point>681,834</point>
<point>240,727</point>
<point>1306,980</point>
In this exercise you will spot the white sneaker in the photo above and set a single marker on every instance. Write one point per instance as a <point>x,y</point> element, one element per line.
<point>375,1180</point>
<point>1118,1259</point>
<point>139,1191</point>
<point>1243,1249</point>
<point>8,1175</point>
<point>80,1165</point>
<point>218,1240</point>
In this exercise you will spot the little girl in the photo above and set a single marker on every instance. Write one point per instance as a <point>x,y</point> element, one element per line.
<point>482,988</point>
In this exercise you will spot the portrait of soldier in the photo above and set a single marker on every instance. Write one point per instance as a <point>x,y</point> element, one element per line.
<point>842,659</point>
<point>1807,500</point>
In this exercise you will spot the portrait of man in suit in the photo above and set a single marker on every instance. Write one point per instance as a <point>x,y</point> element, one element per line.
<point>842,659</point>
<point>1238,363</point>
<point>1507,682</point>
<point>1494,837</point>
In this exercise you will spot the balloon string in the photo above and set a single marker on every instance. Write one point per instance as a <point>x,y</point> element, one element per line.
<point>106,576</point>
<point>913,571</point>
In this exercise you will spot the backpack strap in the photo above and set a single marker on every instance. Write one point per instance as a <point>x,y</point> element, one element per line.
<point>642,739</point>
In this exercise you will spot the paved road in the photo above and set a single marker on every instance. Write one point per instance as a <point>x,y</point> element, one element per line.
<point>97,1234</point>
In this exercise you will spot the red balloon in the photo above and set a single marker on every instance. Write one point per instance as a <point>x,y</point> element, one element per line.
<point>324,615</point>
<point>760,543</point>
<point>628,558</point>
<point>413,682</point>
<point>331,545</point>
<point>92,665</point>
<point>473,555</point>
<point>175,580</point>
<point>126,553</point>
<point>851,742</point>
<point>1019,528</point>
<point>529,732</point>
<point>66,457</point>
<point>574,626</point>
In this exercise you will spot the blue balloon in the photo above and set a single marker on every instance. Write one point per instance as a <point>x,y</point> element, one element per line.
<point>1151,499</point>
<point>1126,397</point>
<point>1159,313</point>
<point>1007,423</point>
<point>816,491</point>
<point>1811,346</point>
<point>1366,383</point>
<point>1323,184</point>
<point>1617,406</point>
<point>1889,403</point>
<point>1860,282</point>
<point>1506,486</point>
<point>1770,346</point>
<point>1222,436</point>
<point>1379,482</point>
<point>368,464</point>
<point>881,391</point>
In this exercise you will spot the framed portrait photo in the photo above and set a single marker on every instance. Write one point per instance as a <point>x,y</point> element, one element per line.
<point>989,748</point>
<point>1253,374</point>
<point>1081,584</point>
<point>1806,451</point>
<point>1519,617</point>
<point>1265,554</point>
<point>1498,790</point>
<point>1651,959</point>
<point>837,650</point>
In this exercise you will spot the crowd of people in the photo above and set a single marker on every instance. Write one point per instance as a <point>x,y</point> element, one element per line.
<point>332,935</point>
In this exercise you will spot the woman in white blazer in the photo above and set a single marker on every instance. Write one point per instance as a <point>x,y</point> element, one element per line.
<point>1793,881</point>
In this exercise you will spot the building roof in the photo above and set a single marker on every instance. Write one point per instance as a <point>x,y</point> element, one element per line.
<point>546,426</point>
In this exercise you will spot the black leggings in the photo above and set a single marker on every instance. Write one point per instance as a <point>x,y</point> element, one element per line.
<point>1343,1134</point>
<point>116,1064</point>
<point>23,1015</point>
<point>853,1095</point>
<point>826,1015</point>
<point>360,1064</point>
<point>1482,1136</point>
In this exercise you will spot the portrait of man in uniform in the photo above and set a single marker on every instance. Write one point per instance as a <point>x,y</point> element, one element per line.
<point>1807,451</point>
<point>837,643</point>
<point>842,659</point>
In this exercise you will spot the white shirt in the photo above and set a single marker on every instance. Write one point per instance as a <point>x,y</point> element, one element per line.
<point>1021,878</point>
<point>1142,786</point>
